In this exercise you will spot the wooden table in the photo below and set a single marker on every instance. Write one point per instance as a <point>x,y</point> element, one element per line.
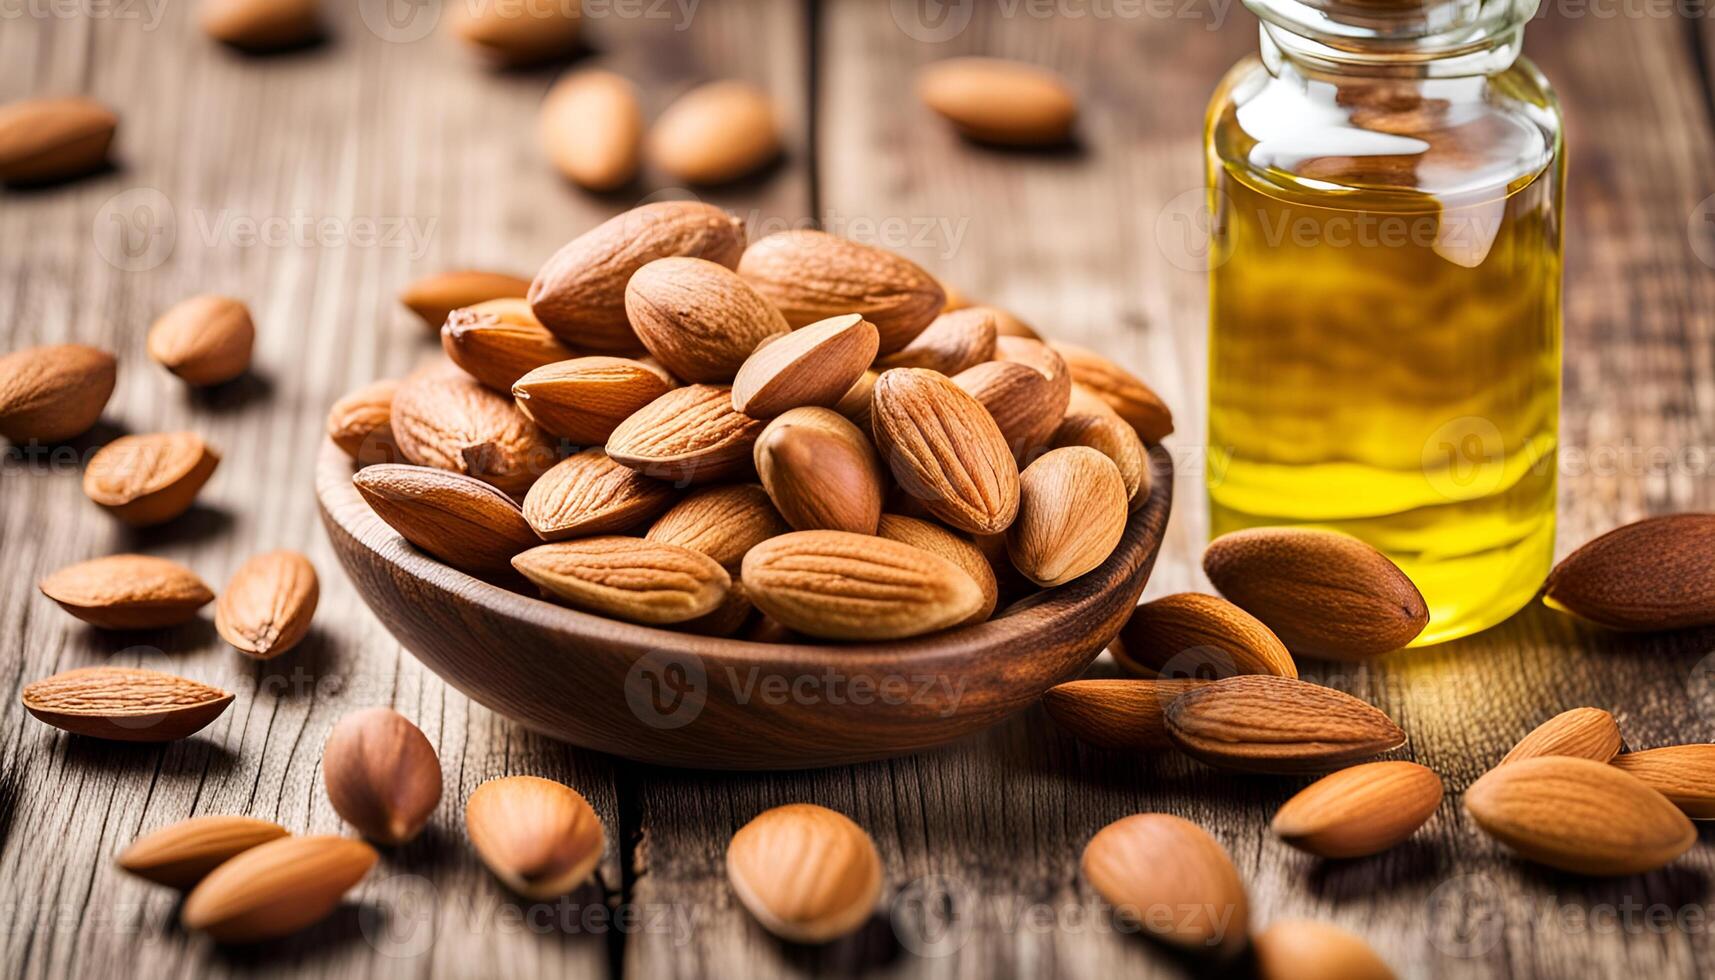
<point>315,184</point>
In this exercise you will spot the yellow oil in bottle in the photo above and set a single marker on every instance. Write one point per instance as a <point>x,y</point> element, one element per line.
<point>1385,324</point>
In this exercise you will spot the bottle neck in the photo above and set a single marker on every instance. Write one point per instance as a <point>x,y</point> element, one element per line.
<point>1393,38</point>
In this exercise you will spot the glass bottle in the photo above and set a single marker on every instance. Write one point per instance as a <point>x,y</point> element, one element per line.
<point>1384,339</point>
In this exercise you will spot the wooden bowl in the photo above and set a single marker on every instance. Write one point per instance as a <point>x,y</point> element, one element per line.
<point>674,699</point>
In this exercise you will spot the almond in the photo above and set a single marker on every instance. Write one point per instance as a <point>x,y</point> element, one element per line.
<point>1262,723</point>
<point>128,592</point>
<point>843,586</point>
<point>1587,733</point>
<point>205,340</point>
<point>1579,815</point>
<point>499,341</point>
<point>382,775</point>
<point>856,403</point>
<point>727,618</point>
<point>1655,574</point>
<point>1360,811</point>
<point>1193,635</point>
<point>1135,401</point>
<point>361,424</point>
<point>1114,439</point>
<point>434,297</point>
<point>592,129</point>
<point>261,25</point>
<point>55,393</point>
<point>698,318</point>
<point>517,34</point>
<point>814,365</point>
<point>48,139</point>
<point>994,100</point>
<point>1119,714</point>
<point>181,854</point>
<point>1295,949</point>
<point>539,837</point>
<point>808,873</point>
<point>1685,774</point>
<point>124,704</point>
<point>689,435</point>
<point>1151,863</point>
<point>276,889</point>
<point>267,607</point>
<point>953,342</point>
<point>458,519</point>
<point>149,479</point>
<point>820,471</point>
<point>1324,594</point>
<point>1071,515</point>
<point>945,450</point>
<point>721,522</point>
<point>591,494</point>
<point>584,399</point>
<point>453,422</point>
<point>1021,401</point>
<point>633,579</point>
<point>580,293</point>
<point>716,133</point>
<point>812,275</point>
<point>937,540</point>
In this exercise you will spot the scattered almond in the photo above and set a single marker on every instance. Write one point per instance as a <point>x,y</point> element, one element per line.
<point>1120,714</point>
<point>1587,733</point>
<point>48,139</point>
<point>843,586</point>
<point>128,592</point>
<point>994,100</point>
<point>945,450</point>
<point>1685,774</point>
<point>181,854</point>
<point>633,579</point>
<point>1189,634</point>
<point>808,873</point>
<point>267,607</point>
<point>54,393</point>
<point>205,340</point>
<point>1262,723</point>
<point>592,129</point>
<point>962,552</point>
<point>1295,949</point>
<point>812,275</point>
<point>721,522</point>
<point>814,365</point>
<point>1148,863</point>
<point>539,837</point>
<point>453,422</point>
<point>361,424</point>
<point>261,25</point>
<point>1071,515</point>
<point>1655,574</point>
<point>276,889</point>
<point>517,34</point>
<point>698,318</point>
<point>146,480</point>
<point>382,775</point>
<point>716,133</point>
<point>1360,811</point>
<point>591,494</point>
<point>458,519</point>
<point>1135,401</point>
<point>434,297</point>
<point>689,435</point>
<point>953,342</point>
<point>124,704</point>
<point>820,471</point>
<point>499,341</point>
<point>584,399</point>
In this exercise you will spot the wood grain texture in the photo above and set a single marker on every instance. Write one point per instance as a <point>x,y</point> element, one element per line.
<point>981,839</point>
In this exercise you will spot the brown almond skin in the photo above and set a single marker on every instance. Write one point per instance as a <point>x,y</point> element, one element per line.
<point>517,35</point>
<point>633,579</point>
<point>267,607</point>
<point>1149,861</point>
<point>361,424</point>
<point>1263,723</point>
<point>181,854</point>
<point>955,341</point>
<point>432,298</point>
<point>698,318</point>
<point>945,450</point>
<point>1360,811</point>
<point>820,471</point>
<point>1579,815</point>
<point>584,399</point>
<point>716,133</point>
<point>1654,574</point>
<point>1133,400</point>
<point>1685,774</point>
<point>858,400</point>
<point>124,704</point>
<point>591,494</point>
<point>816,365</point>
<point>809,874</point>
<point>1299,950</point>
<point>451,421</point>
<point>150,479</point>
<point>993,100</point>
<point>128,592</point>
<point>1021,401</point>
<point>260,25</point>
<point>1114,439</point>
<point>499,341</point>
<point>721,522</point>
<point>1071,515</point>
<point>205,340</point>
<point>1189,634</point>
<point>1115,713</point>
<point>459,519</point>
<point>812,275</point>
<point>591,128</point>
<point>688,436</point>
<point>276,889</point>
<point>1324,594</point>
<point>579,294</point>
<point>1587,733</point>
<point>382,775</point>
<point>961,551</point>
<point>843,586</point>
<point>54,393</point>
<point>53,138</point>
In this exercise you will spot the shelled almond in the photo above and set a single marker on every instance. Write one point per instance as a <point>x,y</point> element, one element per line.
<point>128,592</point>
<point>181,854</point>
<point>124,704</point>
<point>205,340</point>
<point>433,297</point>
<point>584,399</point>
<point>54,393</point>
<point>53,138</point>
<point>361,424</point>
<point>716,133</point>
<point>499,341</point>
<point>149,479</point>
<point>450,421</point>
<point>1189,634</point>
<point>591,128</point>
<point>820,471</point>
<point>267,607</point>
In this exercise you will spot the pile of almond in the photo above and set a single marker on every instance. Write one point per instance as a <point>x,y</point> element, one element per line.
<point>789,437</point>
